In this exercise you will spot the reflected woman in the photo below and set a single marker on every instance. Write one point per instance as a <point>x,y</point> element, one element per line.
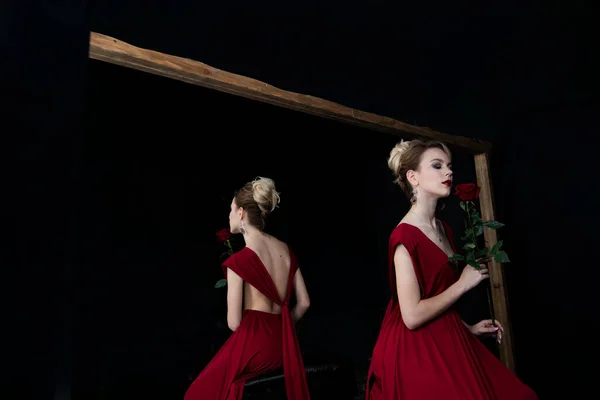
<point>260,281</point>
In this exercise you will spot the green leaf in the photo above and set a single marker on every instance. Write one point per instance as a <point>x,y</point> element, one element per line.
<point>456,257</point>
<point>483,252</point>
<point>501,257</point>
<point>496,247</point>
<point>470,257</point>
<point>479,230</point>
<point>474,265</point>
<point>463,206</point>
<point>493,224</point>
<point>220,283</point>
<point>468,234</point>
<point>469,246</point>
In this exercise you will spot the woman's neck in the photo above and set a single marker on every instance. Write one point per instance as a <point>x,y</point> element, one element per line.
<point>425,210</point>
<point>252,234</point>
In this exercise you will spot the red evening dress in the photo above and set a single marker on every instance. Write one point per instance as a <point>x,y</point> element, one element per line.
<point>262,343</point>
<point>441,360</point>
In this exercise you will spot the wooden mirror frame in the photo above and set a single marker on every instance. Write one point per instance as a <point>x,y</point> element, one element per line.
<point>114,51</point>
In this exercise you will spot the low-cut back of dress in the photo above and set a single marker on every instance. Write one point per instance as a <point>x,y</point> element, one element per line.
<point>441,359</point>
<point>262,343</point>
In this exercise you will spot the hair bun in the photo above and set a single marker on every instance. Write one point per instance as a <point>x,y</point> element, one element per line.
<point>265,194</point>
<point>395,159</point>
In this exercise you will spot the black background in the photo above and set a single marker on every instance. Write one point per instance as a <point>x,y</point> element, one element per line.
<point>118,180</point>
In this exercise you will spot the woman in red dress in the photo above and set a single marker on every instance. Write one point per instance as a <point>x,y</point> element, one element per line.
<point>424,349</point>
<point>262,276</point>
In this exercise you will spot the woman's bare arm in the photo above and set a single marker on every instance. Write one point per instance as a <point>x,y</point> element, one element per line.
<point>235,296</point>
<point>416,311</point>
<point>302,298</point>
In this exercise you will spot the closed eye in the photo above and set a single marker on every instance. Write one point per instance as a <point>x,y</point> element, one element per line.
<point>437,163</point>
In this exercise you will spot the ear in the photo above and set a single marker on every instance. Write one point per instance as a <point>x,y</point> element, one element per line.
<point>241,212</point>
<point>411,177</point>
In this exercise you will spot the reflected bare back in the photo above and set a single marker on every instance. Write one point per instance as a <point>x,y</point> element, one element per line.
<point>275,257</point>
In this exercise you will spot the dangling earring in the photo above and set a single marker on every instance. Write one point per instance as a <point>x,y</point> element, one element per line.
<point>413,199</point>
<point>242,230</point>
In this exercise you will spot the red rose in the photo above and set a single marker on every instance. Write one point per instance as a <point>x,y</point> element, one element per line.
<point>224,235</point>
<point>467,191</point>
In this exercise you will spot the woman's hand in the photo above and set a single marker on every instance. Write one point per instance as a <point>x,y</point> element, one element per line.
<point>486,328</point>
<point>471,277</point>
<point>483,261</point>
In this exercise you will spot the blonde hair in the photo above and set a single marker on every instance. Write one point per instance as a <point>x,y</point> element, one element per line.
<point>406,156</point>
<point>258,198</point>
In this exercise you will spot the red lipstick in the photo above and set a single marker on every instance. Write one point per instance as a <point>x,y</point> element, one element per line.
<point>447,183</point>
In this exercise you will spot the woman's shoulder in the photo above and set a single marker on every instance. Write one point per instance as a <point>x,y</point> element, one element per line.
<point>405,233</point>
<point>283,249</point>
<point>238,255</point>
<point>404,228</point>
<point>269,244</point>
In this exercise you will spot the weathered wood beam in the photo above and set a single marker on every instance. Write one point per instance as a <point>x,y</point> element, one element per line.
<point>497,281</point>
<point>111,50</point>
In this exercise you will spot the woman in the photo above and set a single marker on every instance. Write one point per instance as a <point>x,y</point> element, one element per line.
<point>424,350</point>
<point>262,275</point>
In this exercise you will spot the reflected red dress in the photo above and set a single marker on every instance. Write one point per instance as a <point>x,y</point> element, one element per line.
<point>262,343</point>
<point>441,360</point>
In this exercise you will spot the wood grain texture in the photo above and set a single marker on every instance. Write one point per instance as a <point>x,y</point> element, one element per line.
<point>497,281</point>
<point>112,50</point>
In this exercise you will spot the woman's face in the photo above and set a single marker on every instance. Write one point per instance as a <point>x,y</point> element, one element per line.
<point>434,175</point>
<point>235,217</point>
